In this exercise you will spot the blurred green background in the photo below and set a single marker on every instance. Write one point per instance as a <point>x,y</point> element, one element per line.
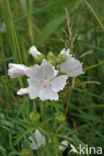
<point>24,23</point>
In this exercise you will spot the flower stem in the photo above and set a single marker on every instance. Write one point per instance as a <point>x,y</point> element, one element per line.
<point>94,66</point>
<point>70,93</point>
<point>43,111</point>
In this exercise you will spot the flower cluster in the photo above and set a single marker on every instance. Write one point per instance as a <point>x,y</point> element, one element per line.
<point>48,76</point>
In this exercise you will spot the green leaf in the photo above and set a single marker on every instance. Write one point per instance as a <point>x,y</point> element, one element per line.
<point>52,5</point>
<point>55,23</point>
<point>48,7</point>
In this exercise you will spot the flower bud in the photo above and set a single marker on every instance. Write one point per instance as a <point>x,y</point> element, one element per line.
<point>40,58</point>
<point>61,58</point>
<point>60,117</point>
<point>51,58</point>
<point>34,116</point>
<point>36,54</point>
<point>26,152</point>
<point>22,91</point>
<point>16,70</point>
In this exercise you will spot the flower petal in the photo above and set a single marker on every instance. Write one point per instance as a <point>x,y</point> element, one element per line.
<point>72,67</point>
<point>48,69</point>
<point>33,145</point>
<point>55,71</point>
<point>34,88</point>
<point>34,52</point>
<point>65,51</point>
<point>36,72</point>
<point>40,138</point>
<point>59,82</point>
<point>48,93</point>
<point>16,70</point>
<point>44,71</point>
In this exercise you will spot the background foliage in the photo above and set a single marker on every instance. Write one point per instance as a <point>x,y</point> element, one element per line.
<point>43,23</point>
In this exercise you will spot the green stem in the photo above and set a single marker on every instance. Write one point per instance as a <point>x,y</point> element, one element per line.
<point>42,107</point>
<point>94,66</point>
<point>69,97</point>
<point>29,19</point>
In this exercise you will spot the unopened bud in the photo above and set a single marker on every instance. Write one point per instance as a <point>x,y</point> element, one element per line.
<point>34,116</point>
<point>36,54</point>
<point>40,58</point>
<point>61,58</point>
<point>51,58</point>
<point>22,91</point>
<point>60,117</point>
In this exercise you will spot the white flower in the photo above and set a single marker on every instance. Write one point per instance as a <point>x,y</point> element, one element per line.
<point>64,145</point>
<point>16,70</point>
<point>34,52</point>
<point>72,67</point>
<point>43,82</point>
<point>40,140</point>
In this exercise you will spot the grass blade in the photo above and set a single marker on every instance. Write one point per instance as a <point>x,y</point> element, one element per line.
<point>54,24</point>
<point>94,13</point>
